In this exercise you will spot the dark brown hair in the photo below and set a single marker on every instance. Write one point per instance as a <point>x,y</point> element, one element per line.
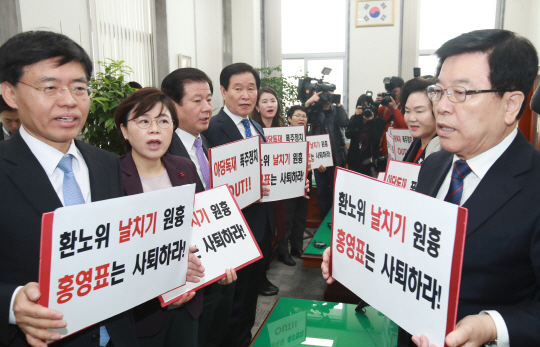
<point>141,102</point>
<point>277,121</point>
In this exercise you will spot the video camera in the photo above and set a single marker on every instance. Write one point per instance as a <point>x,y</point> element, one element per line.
<point>389,84</point>
<point>308,86</point>
<point>369,108</point>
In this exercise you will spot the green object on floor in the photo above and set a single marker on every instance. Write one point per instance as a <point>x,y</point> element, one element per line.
<point>297,322</point>
<point>323,234</point>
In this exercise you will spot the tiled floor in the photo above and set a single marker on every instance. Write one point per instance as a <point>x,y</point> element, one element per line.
<point>293,282</point>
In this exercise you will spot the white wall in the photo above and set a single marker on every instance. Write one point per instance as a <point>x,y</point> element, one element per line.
<point>181,31</point>
<point>273,32</point>
<point>69,17</point>
<point>209,32</point>
<point>373,55</point>
<point>522,17</point>
<point>246,32</point>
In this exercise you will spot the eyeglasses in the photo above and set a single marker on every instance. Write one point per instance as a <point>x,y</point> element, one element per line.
<point>456,93</point>
<point>57,92</point>
<point>299,117</point>
<point>144,122</point>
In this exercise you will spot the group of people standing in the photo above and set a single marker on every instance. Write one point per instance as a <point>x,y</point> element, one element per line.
<point>167,133</point>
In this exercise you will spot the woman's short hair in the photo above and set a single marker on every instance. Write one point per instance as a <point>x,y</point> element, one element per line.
<point>415,85</point>
<point>277,121</point>
<point>140,102</point>
<point>295,108</point>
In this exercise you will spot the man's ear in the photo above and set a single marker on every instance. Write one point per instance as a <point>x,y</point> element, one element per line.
<point>9,95</point>
<point>223,92</point>
<point>513,101</point>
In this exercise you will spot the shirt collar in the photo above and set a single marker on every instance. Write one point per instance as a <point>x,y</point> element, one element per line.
<point>481,164</point>
<point>48,156</point>
<point>186,138</point>
<point>7,132</point>
<point>236,119</point>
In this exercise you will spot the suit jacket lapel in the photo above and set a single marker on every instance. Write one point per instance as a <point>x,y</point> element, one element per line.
<point>228,126</point>
<point>259,129</point>
<point>499,184</point>
<point>173,170</point>
<point>435,179</point>
<point>29,176</point>
<point>130,175</point>
<point>177,147</point>
<point>205,145</point>
<point>97,171</point>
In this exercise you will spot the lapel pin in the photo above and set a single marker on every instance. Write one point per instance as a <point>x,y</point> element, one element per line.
<point>182,174</point>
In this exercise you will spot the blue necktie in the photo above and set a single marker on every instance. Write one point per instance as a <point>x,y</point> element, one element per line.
<point>73,196</point>
<point>245,122</point>
<point>459,172</point>
<point>203,162</point>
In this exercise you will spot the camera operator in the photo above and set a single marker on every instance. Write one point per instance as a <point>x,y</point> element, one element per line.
<point>365,131</point>
<point>389,109</point>
<point>324,117</point>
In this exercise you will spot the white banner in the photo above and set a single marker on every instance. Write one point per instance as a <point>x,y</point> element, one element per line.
<point>391,146</point>
<point>400,251</point>
<point>238,165</point>
<point>320,150</point>
<point>284,166</point>
<point>222,236</point>
<point>285,134</point>
<point>402,174</point>
<point>103,258</point>
<point>402,141</point>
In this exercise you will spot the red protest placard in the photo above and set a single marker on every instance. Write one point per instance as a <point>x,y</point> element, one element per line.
<point>223,238</point>
<point>106,257</point>
<point>238,165</point>
<point>399,251</point>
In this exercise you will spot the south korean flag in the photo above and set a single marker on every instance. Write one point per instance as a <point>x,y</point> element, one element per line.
<point>375,13</point>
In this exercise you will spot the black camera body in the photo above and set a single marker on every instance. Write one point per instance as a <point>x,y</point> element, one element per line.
<point>309,86</point>
<point>369,108</point>
<point>389,85</point>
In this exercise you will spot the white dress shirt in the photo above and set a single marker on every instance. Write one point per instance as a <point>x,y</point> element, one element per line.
<point>49,158</point>
<point>189,142</point>
<point>480,165</point>
<point>238,121</point>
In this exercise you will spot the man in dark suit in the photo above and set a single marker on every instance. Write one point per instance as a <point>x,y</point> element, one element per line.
<point>191,90</point>
<point>44,77</point>
<point>239,85</point>
<point>488,167</point>
<point>9,120</point>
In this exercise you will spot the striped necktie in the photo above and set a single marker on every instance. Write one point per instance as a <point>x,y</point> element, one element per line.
<point>459,172</point>
<point>203,162</point>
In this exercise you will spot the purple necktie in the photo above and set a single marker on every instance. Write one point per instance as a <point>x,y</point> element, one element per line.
<point>459,172</point>
<point>203,162</point>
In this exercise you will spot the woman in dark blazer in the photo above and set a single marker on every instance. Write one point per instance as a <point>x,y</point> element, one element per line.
<point>146,121</point>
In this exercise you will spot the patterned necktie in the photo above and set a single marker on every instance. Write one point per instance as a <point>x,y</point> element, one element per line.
<point>245,122</point>
<point>73,196</point>
<point>203,162</point>
<point>459,172</point>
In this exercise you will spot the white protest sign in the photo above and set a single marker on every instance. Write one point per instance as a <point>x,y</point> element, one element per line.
<point>284,166</point>
<point>103,258</point>
<point>380,176</point>
<point>400,251</point>
<point>403,140</point>
<point>391,146</point>
<point>285,134</point>
<point>222,236</point>
<point>402,174</point>
<point>320,150</point>
<point>238,165</point>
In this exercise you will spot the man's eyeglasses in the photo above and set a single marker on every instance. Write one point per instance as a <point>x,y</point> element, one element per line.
<point>144,122</point>
<point>57,92</point>
<point>455,93</point>
<point>299,117</point>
